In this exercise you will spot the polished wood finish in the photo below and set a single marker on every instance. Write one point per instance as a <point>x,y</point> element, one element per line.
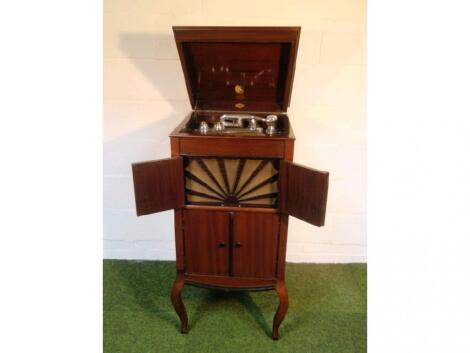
<point>227,208</point>
<point>289,150</point>
<point>230,147</point>
<point>304,192</point>
<point>281,311</point>
<point>158,185</point>
<point>175,146</point>
<point>255,244</point>
<point>217,59</point>
<point>206,242</point>
<point>230,283</point>
<point>282,247</point>
<point>236,244</point>
<point>178,303</point>
<point>179,239</point>
<point>255,66</point>
<point>225,237</point>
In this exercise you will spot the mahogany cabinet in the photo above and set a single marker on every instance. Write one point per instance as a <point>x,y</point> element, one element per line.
<point>230,179</point>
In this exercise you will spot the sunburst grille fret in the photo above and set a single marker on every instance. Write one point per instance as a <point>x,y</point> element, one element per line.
<point>232,182</point>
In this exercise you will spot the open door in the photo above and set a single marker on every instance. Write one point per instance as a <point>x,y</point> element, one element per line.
<point>158,185</point>
<point>303,192</point>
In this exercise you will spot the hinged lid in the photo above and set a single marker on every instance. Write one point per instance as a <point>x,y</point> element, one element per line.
<point>238,68</point>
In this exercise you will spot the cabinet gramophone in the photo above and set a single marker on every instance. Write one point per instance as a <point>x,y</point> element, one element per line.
<point>230,178</point>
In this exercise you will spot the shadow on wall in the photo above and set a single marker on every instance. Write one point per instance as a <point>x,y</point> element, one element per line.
<point>139,128</point>
<point>148,142</point>
<point>149,45</point>
<point>156,57</point>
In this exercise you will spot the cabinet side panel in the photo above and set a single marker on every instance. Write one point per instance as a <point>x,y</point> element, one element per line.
<point>175,146</point>
<point>179,237</point>
<point>206,242</point>
<point>289,150</point>
<point>255,244</point>
<point>281,253</point>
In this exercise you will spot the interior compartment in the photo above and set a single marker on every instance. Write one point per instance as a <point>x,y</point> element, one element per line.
<point>211,118</point>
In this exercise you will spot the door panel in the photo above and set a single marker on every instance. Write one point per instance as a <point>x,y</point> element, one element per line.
<point>303,192</point>
<point>158,185</point>
<point>206,242</point>
<point>255,239</point>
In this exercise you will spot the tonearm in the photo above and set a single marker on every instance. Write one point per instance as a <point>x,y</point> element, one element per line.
<point>236,121</point>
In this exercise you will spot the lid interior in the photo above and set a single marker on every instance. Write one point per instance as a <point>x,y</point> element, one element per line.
<point>238,68</point>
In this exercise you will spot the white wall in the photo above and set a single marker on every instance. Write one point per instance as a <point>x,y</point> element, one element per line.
<point>145,98</point>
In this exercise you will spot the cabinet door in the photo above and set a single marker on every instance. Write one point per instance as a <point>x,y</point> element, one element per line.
<point>158,185</point>
<point>255,240</point>
<point>303,192</point>
<point>206,242</point>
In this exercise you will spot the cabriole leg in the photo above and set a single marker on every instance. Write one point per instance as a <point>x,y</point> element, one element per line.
<point>178,303</point>
<point>281,309</point>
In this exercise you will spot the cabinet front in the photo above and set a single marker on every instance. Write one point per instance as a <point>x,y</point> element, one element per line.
<point>255,242</point>
<point>235,244</point>
<point>206,242</point>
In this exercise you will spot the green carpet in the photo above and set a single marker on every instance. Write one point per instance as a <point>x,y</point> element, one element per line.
<point>327,312</point>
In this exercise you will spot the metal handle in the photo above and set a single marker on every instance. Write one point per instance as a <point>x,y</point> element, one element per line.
<point>238,244</point>
<point>222,244</point>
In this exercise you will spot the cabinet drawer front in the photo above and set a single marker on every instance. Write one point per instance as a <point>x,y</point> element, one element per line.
<point>232,147</point>
<point>206,246</point>
<point>255,242</point>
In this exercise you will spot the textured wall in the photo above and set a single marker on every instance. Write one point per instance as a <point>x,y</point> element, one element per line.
<point>145,98</point>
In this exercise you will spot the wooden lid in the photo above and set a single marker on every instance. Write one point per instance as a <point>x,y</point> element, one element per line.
<point>238,68</point>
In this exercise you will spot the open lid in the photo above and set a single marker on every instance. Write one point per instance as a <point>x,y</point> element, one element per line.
<point>238,68</point>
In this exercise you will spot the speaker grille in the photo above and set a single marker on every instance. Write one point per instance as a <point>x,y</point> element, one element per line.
<point>231,182</point>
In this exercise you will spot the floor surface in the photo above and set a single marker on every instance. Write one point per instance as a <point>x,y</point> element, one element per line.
<point>327,312</point>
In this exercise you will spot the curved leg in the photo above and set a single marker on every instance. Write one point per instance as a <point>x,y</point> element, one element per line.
<point>178,303</point>
<point>281,309</point>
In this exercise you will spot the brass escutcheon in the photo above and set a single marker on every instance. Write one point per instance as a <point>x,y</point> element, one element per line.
<point>239,89</point>
<point>239,105</point>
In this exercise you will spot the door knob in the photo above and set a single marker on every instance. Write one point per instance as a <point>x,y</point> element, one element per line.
<point>238,244</point>
<point>221,244</point>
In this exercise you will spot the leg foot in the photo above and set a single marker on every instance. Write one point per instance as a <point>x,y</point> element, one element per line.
<point>281,309</point>
<point>178,303</point>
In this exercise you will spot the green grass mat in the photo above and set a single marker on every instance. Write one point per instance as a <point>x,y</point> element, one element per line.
<point>327,312</point>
